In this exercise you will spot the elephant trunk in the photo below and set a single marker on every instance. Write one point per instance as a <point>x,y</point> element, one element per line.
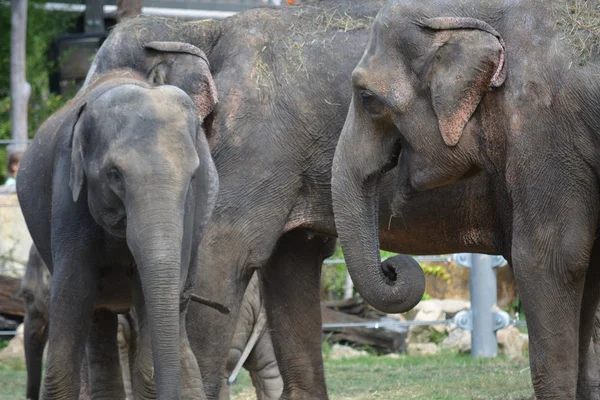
<point>155,238</point>
<point>397,284</point>
<point>35,337</point>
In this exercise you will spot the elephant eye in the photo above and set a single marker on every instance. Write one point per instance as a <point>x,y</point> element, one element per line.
<point>371,103</point>
<point>114,177</point>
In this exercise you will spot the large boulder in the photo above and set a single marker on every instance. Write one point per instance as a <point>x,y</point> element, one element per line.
<point>464,344</point>
<point>339,352</point>
<point>449,306</point>
<point>422,349</point>
<point>428,311</point>
<point>457,338</point>
<point>14,352</point>
<point>15,240</point>
<point>512,342</point>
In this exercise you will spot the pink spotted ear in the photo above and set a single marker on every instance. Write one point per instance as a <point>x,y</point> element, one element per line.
<point>469,60</point>
<point>187,68</point>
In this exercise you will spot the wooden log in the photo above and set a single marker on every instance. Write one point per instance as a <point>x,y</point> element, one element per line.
<point>10,301</point>
<point>381,340</point>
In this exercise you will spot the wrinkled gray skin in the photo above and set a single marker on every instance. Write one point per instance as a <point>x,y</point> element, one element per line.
<point>252,330</point>
<point>449,90</point>
<point>261,362</point>
<point>35,290</point>
<point>116,189</point>
<point>282,76</point>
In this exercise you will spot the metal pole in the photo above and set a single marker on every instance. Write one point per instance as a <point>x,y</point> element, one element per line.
<point>94,16</point>
<point>483,300</point>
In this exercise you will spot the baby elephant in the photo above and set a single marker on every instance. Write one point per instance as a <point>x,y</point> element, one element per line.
<point>116,190</point>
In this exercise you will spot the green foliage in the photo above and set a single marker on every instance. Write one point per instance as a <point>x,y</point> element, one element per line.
<point>437,271</point>
<point>437,337</point>
<point>3,343</point>
<point>42,28</point>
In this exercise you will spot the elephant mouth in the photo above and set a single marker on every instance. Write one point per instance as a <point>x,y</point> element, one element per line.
<point>116,225</point>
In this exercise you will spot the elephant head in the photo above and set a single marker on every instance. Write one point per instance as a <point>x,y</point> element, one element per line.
<point>160,62</point>
<point>140,155</point>
<point>416,92</point>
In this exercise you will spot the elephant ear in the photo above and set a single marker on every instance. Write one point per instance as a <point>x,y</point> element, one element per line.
<point>185,66</point>
<point>467,60</point>
<point>77,177</point>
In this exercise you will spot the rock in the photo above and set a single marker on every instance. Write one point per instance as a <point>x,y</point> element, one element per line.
<point>422,349</point>
<point>339,352</point>
<point>464,344</point>
<point>428,311</point>
<point>15,348</point>
<point>399,317</point>
<point>392,355</point>
<point>512,342</point>
<point>452,306</point>
<point>449,306</point>
<point>454,339</point>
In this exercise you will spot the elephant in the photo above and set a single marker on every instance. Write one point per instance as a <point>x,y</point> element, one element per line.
<point>116,190</point>
<point>251,336</point>
<point>35,291</point>
<point>281,75</point>
<point>495,90</point>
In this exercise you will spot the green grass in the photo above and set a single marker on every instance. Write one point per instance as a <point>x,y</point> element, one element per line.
<point>443,377</point>
<point>12,383</point>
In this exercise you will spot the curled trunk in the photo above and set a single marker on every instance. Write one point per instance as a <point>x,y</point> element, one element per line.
<point>397,284</point>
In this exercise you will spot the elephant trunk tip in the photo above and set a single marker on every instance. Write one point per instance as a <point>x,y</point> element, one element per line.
<point>407,279</point>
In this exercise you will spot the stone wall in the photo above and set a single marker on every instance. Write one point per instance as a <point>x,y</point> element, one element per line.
<point>15,240</point>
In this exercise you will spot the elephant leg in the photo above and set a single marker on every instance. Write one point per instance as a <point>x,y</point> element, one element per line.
<point>291,282</point>
<point>210,332</point>
<point>550,269</point>
<point>264,371</point>
<point>190,372</point>
<point>596,339</point>
<point>72,300</point>
<point>84,393</point>
<point>35,335</point>
<point>106,380</point>
<point>124,341</point>
<point>588,379</point>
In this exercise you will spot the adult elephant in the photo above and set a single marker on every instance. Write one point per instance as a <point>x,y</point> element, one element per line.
<point>282,77</point>
<point>116,189</point>
<point>448,90</point>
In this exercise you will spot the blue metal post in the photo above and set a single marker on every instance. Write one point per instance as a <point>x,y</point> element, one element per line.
<point>483,299</point>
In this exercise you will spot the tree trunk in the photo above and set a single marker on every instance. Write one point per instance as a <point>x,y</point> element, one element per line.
<point>19,88</point>
<point>128,8</point>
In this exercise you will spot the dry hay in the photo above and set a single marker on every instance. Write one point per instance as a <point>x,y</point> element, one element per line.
<point>580,19</point>
<point>313,21</point>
